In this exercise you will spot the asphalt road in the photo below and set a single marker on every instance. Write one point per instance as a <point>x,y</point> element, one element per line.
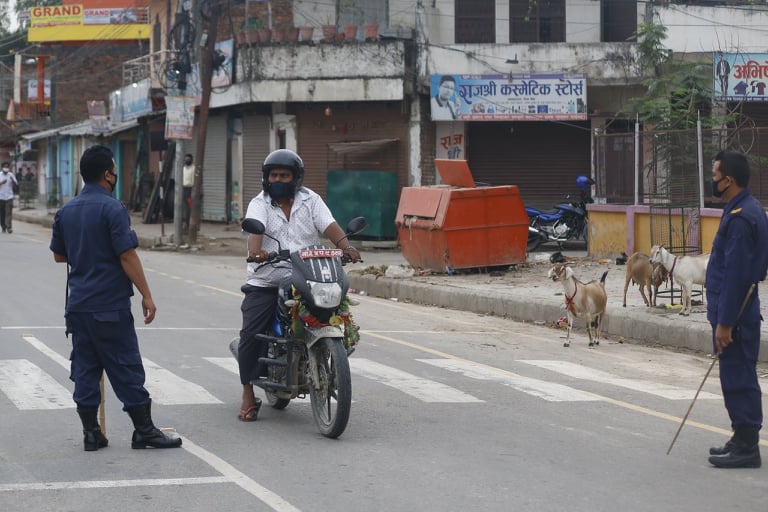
<point>451,411</point>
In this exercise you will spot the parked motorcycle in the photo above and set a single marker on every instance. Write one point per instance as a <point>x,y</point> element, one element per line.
<point>312,333</point>
<point>566,221</point>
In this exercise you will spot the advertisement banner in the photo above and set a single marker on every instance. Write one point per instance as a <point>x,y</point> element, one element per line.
<point>97,111</point>
<point>740,76</point>
<point>179,117</point>
<point>529,97</point>
<point>56,15</point>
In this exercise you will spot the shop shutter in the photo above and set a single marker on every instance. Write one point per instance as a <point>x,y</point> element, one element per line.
<point>215,171</point>
<point>255,150</point>
<point>542,158</point>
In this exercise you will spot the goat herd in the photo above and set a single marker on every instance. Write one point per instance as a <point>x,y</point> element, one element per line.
<point>589,300</point>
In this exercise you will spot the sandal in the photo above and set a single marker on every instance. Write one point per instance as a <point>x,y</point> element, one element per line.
<point>251,413</point>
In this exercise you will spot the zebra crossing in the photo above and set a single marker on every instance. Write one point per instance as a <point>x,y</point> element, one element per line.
<point>29,387</point>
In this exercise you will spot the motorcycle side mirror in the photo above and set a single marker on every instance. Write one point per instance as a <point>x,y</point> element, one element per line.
<point>356,225</point>
<point>253,226</point>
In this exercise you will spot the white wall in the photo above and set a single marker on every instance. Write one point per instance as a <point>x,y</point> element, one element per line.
<point>692,29</point>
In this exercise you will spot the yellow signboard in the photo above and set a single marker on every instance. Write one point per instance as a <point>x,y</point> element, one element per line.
<point>88,33</point>
<point>55,15</point>
<point>56,23</point>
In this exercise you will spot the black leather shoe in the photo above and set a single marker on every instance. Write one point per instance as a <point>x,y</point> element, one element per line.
<point>93,439</point>
<point>146,434</point>
<point>738,457</point>
<point>722,450</point>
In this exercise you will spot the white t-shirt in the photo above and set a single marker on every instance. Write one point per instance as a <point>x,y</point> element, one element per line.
<point>6,189</point>
<point>188,176</point>
<point>310,217</point>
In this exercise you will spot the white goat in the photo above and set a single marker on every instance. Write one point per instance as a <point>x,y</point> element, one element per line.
<point>684,270</point>
<point>582,300</point>
<point>640,272</point>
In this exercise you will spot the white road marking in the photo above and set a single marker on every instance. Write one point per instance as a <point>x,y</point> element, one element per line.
<point>165,387</point>
<point>423,389</point>
<point>29,387</point>
<point>653,388</point>
<point>169,389</point>
<point>272,500</point>
<point>52,354</point>
<point>228,363</point>
<point>549,391</point>
<point>105,484</point>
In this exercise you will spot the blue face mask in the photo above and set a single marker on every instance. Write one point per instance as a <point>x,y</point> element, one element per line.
<point>280,190</point>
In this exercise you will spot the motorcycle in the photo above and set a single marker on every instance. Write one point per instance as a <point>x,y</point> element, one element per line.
<point>567,221</point>
<point>312,333</point>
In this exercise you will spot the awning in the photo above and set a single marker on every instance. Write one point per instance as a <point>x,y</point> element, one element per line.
<point>79,129</point>
<point>343,148</point>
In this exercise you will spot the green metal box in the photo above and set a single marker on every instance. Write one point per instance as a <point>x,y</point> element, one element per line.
<point>371,194</point>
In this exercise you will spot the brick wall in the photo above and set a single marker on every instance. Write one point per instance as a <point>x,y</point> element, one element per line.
<point>82,73</point>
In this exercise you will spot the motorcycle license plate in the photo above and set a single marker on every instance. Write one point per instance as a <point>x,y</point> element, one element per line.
<point>320,253</point>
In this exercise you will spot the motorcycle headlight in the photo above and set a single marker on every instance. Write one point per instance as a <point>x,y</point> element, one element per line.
<point>325,295</point>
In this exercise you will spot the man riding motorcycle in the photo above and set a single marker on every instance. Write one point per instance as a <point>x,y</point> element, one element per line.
<point>296,216</point>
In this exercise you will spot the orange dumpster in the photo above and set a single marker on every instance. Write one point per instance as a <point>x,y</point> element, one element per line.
<point>444,228</point>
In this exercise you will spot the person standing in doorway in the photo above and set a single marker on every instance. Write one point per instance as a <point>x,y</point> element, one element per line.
<point>739,259</point>
<point>187,183</point>
<point>7,183</point>
<point>92,234</point>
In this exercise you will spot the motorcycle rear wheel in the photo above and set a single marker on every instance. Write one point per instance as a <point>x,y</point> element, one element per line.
<point>331,397</point>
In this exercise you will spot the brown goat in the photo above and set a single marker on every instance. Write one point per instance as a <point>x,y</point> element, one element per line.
<point>660,275</point>
<point>640,272</point>
<point>582,300</point>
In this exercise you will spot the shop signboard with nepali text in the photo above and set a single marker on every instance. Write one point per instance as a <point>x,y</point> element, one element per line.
<point>529,97</point>
<point>740,76</point>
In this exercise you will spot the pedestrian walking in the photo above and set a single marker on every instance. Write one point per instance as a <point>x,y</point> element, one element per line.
<point>7,183</point>
<point>739,260</point>
<point>92,234</point>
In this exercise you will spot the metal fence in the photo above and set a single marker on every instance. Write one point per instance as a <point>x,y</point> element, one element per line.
<point>667,162</point>
<point>669,171</point>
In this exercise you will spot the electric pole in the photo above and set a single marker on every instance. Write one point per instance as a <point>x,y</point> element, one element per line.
<point>209,11</point>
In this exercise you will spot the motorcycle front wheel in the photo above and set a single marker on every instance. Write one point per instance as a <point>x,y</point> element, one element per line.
<point>331,397</point>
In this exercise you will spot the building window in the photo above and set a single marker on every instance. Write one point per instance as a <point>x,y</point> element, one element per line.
<point>619,21</point>
<point>475,21</point>
<point>537,22</point>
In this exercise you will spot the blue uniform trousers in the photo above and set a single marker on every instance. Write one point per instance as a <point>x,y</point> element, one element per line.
<point>106,341</point>
<point>738,367</point>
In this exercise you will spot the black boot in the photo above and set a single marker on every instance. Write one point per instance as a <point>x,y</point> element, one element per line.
<point>93,439</point>
<point>146,434</point>
<point>745,452</point>
<point>722,450</point>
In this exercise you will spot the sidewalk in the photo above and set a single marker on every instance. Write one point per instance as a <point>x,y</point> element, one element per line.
<point>522,294</point>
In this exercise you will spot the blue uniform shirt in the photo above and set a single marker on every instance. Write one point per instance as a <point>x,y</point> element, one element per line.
<point>92,231</point>
<point>739,255</point>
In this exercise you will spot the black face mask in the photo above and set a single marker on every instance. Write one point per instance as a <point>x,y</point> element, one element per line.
<point>280,190</point>
<point>112,184</point>
<point>187,162</point>
<point>715,191</point>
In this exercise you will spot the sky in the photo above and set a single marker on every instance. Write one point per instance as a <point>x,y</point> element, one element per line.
<point>12,12</point>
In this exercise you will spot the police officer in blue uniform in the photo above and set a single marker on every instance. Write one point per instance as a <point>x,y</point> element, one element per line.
<point>738,260</point>
<point>92,234</point>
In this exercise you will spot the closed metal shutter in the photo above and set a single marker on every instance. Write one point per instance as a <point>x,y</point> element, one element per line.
<point>215,187</point>
<point>542,158</point>
<point>255,150</point>
<point>351,122</point>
